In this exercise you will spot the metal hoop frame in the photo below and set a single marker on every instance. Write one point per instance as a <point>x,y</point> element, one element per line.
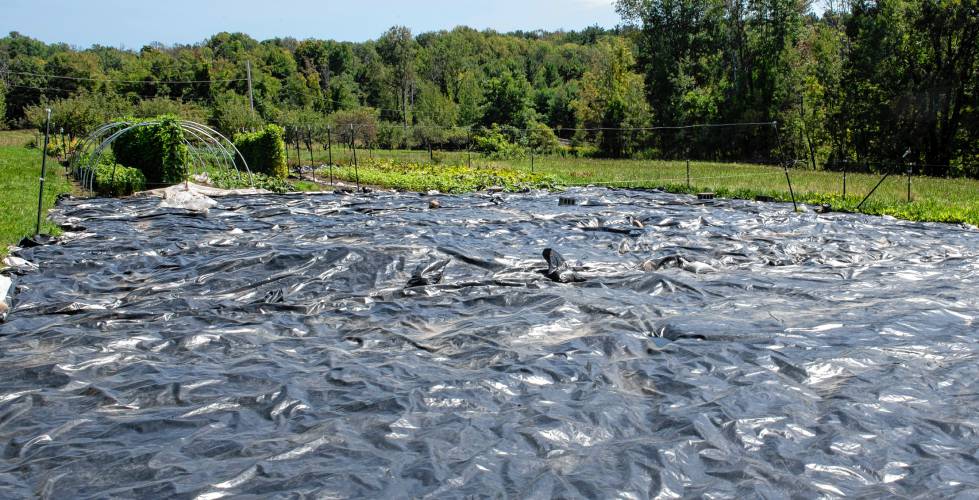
<point>206,145</point>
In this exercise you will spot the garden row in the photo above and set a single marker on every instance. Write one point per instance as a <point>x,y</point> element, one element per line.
<point>159,154</point>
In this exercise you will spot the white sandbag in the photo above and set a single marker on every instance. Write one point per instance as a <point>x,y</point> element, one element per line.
<point>4,288</point>
<point>189,200</point>
<point>19,264</point>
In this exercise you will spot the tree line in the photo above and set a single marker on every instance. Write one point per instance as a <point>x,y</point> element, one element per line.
<point>867,82</point>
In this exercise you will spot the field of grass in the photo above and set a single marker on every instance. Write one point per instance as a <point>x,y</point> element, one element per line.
<point>20,173</point>
<point>933,199</point>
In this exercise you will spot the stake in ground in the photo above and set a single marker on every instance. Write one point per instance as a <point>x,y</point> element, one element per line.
<point>20,173</point>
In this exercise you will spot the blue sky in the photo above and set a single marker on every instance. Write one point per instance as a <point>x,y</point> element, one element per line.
<point>134,23</point>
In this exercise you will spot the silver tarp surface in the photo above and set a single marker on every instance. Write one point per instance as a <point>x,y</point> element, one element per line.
<point>368,346</point>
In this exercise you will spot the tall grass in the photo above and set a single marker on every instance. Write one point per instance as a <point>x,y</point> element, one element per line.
<point>20,173</point>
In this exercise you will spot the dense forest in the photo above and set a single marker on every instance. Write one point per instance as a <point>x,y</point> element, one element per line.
<point>873,82</point>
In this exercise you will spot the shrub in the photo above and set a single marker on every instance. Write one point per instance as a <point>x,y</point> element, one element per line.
<point>541,139</point>
<point>355,125</point>
<point>497,145</point>
<point>231,113</point>
<point>391,136</point>
<point>264,151</point>
<point>456,139</point>
<point>61,150</point>
<point>112,179</point>
<point>158,151</point>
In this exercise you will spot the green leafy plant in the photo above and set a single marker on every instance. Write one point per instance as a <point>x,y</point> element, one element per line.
<point>497,145</point>
<point>229,179</point>
<point>157,150</point>
<point>264,151</point>
<point>445,178</point>
<point>118,180</point>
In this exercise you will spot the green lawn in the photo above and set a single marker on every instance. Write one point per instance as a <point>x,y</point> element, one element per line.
<point>20,172</point>
<point>17,137</point>
<point>934,199</point>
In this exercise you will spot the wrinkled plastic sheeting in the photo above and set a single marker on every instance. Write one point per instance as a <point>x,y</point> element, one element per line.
<point>274,346</point>
<point>187,200</point>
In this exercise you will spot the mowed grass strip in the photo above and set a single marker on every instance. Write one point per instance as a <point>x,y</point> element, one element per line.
<point>20,174</point>
<point>933,199</point>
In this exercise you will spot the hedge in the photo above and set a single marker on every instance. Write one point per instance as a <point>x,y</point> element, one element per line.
<point>264,151</point>
<point>112,179</point>
<point>158,151</point>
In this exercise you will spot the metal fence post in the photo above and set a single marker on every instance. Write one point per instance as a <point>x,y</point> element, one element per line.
<point>309,146</point>
<point>910,169</point>
<point>329,148</point>
<point>785,166</point>
<point>844,179</point>
<point>469,148</point>
<point>688,169</point>
<point>353,145</point>
<point>44,164</point>
<point>299,155</point>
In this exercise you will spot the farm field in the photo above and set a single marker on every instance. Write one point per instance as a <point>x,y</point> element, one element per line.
<point>933,199</point>
<point>582,249</point>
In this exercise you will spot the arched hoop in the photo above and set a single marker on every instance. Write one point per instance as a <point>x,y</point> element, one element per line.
<point>208,149</point>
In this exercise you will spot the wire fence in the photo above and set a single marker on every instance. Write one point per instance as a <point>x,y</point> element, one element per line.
<point>742,159</point>
<point>749,143</point>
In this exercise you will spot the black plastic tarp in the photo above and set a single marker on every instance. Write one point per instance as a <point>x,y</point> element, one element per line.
<point>369,346</point>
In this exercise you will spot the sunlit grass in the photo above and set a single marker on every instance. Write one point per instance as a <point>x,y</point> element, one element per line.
<point>20,173</point>
<point>933,199</point>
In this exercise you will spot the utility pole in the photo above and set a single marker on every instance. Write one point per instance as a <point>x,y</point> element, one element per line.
<point>251,96</point>
<point>807,140</point>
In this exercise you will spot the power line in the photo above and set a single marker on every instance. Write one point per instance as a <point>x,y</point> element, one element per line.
<point>160,82</point>
<point>666,127</point>
<point>46,89</point>
<point>108,80</point>
<point>142,97</point>
<point>575,129</point>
